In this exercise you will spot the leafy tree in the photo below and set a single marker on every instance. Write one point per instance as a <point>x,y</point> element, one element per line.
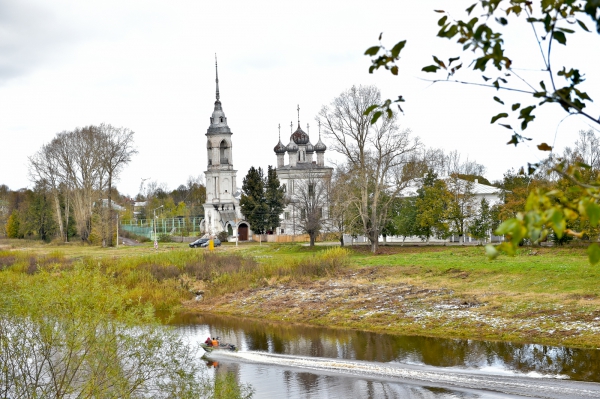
<point>274,197</point>
<point>431,206</point>
<point>13,225</point>
<point>405,220</point>
<point>481,225</point>
<point>253,202</point>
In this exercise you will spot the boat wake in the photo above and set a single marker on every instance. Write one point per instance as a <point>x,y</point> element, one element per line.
<point>499,381</point>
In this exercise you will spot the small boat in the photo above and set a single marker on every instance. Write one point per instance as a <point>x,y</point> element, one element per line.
<point>210,348</point>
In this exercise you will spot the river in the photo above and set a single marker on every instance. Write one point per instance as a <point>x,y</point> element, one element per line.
<point>282,360</point>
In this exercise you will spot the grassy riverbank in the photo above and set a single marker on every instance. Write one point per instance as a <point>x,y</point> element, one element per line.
<point>548,295</point>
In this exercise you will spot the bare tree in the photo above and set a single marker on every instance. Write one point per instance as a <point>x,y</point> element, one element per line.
<point>116,152</point>
<point>311,202</point>
<point>82,163</point>
<point>374,152</point>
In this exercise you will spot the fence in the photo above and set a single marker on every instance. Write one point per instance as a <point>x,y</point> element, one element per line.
<point>173,226</point>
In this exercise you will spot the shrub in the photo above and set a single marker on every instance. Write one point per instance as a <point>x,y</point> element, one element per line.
<point>223,236</point>
<point>165,238</point>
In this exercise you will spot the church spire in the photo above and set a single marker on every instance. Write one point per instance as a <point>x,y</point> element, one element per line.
<point>298,116</point>
<point>217,74</point>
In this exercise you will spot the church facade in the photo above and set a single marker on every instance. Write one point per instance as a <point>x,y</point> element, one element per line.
<point>302,169</point>
<point>221,210</point>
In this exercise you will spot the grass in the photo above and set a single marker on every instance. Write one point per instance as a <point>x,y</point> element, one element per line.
<point>542,295</point>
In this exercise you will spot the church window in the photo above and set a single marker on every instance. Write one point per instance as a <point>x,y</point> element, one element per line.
<point>221,119</point>
<point>302,213</point>
<point>284,187</point>
<point>223,152</point>
<point>287,216</point>
<point>311,190</point>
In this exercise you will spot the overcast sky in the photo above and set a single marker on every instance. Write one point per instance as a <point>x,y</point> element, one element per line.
<point>149,66</point>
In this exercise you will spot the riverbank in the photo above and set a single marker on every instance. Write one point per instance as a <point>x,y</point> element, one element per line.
<point>544,295</point>
<point>541,295</point>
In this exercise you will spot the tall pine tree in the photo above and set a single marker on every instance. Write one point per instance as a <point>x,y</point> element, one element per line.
<point>253,202</point>
<point>275,199</point>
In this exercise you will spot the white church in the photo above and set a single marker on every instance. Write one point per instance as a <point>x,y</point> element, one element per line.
<point>221,210</point>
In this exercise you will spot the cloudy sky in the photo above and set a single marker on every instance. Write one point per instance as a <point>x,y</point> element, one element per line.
<point>149,66</point>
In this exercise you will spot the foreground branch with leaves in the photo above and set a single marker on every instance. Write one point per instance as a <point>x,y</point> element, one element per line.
<point>481,40</point>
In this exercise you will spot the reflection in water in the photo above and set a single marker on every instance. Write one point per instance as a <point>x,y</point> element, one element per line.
<point>576,364</point>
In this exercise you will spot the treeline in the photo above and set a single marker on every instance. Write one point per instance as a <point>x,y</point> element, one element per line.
<point>30,213</point>
<point>439,198</point>
<point>74,194</point>
<point>381,162</point>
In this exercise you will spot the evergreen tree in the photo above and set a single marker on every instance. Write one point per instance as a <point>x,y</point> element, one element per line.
<point>253,202</point>
<point>431,205</point>
<point>39,217</point>
<point>275,199</point>
<point>482,223</point>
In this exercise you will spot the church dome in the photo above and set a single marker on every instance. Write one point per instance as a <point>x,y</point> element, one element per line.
<point>292,147</point>
<point>300,137</point>
<point>320,146</point>
<point>310,148</point>
<point>279,148</point>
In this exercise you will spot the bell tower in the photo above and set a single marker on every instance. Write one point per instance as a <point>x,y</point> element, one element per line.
<point>222,206</point>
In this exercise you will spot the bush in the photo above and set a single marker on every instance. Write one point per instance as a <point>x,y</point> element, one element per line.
<point>165,238</point>
<point>67,328</point>
<point>223,236</point>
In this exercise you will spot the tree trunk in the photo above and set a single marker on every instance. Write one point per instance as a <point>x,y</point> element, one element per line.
<point>110,234</point>
<point>58,212</point>
<point>312,239</point>
<point>67,217</point>
<point>342,240</point>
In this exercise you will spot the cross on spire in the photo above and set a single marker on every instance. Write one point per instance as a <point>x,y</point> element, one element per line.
<point>307,128</point>
<point>217,74</point>
<point>279,127</point>
<point>298,116</point>
<point>291,124</point>
<point>319,129</point>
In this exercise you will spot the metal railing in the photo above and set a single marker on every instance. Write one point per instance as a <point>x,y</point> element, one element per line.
<point>172,226</point>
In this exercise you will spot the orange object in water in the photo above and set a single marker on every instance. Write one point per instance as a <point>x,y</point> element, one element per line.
<point>215,343</point>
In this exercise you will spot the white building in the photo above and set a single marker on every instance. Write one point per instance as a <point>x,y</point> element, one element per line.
<point>221,210</point>
<point>301,167</point>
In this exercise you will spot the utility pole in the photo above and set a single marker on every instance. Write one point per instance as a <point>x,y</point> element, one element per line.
<point>154,225</point>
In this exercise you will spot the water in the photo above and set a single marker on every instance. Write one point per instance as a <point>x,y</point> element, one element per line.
<point>290,361</point>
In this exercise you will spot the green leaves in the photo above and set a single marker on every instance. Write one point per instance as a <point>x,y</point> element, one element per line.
<point>372,50</point>
<point>430,68</point>
<point>559,37</point>
<point>398,48</point>
<point>593,252</point>
<point>525,114</point>
<point>500,101</point>
<point>500,115</point>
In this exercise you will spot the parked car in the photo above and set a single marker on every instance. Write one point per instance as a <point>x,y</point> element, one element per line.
<point>198,242</point>
<point>215,240</point>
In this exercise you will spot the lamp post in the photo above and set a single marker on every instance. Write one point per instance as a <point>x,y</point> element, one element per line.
<point>154,225</point>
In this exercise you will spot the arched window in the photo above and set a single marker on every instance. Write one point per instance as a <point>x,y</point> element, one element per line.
<point>221,119</point>
<point>223,152</point>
